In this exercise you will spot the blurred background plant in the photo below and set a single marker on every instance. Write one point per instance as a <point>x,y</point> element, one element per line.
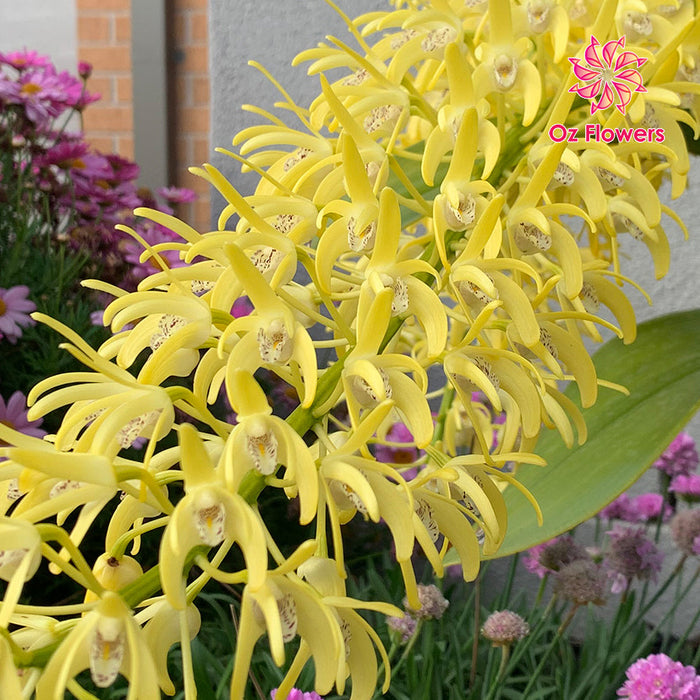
<point>61,200</point>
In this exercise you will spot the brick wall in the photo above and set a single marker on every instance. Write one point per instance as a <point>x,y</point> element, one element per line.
<point>104,39</point>
<point>190,63</point>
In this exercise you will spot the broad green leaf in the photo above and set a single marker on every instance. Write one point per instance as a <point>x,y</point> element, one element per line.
<point>626,434</point>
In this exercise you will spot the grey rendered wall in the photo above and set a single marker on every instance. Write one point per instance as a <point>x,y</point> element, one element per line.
<point>271,32</point>
<point>47,26</point>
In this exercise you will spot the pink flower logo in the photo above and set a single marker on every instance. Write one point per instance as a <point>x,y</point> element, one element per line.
<point>608,73</point>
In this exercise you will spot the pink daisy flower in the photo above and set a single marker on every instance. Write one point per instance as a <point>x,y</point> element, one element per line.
<point>177,195</point>
<point>21,60</point>
<point>14,310</point>
<point>13,414</point>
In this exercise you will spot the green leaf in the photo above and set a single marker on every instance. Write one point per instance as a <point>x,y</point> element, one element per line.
<point>626,434</point>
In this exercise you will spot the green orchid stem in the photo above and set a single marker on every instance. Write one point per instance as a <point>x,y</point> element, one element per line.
<point>445,404</point>
<point>143,475</point>
<point>54,533</point>
<point>119,547</point>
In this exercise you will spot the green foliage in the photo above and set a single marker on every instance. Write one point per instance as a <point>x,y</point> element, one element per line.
<point>32,256</point>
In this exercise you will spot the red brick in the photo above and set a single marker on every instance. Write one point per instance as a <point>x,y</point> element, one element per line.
<point>117,58</point>
<point>202,214</point>
<point>194,119</point>
<point>198,184</point>
<point>182,96</point>
<point>108,118</point>
<point>200,151</point>
<point>183,152</point>
<point>194,59</point>
<point>200,91</point>
<point>104,85</point>
<point>125,147</point>
<point>122,29</point>
<point>125,89</point>
<point>180,28</point>
<point>93,29</point>
<point>199,27</point>
<point>103,4</point>
<point>104,144</point>
<point>191,4</point>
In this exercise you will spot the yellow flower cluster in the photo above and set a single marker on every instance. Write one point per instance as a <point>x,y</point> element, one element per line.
<point>418,216</point>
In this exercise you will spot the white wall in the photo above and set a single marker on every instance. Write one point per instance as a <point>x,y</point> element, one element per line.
<point>47,26</point>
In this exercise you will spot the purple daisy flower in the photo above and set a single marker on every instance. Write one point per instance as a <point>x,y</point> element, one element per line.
<point>177,195</point>
<point>14,310</point>
<point>21,60</point>
<point>660,677</point>
<point>13,414</point>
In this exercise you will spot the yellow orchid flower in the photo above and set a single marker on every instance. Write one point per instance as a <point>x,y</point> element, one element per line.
<point>506,384</point>
<point>172,326</point>
<point>20,557</point>
<point>285,606</point>
<point>355,229</point>
<point>358,637</point>
<point>443,137</point>
<point>532,229</point>
<point>504,70</point>
<point>109,642</point>
<point>540,19</point>
<point>461,202</point>
<point>369,378</point>
<point>261,442</point>
<point>161,629</point>
<point>386,269</point>
<point>208,515</point>
<point>273,337</point>
<point>9,679</point>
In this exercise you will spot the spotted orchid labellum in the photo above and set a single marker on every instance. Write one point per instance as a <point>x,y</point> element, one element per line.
<point>414,220</point>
